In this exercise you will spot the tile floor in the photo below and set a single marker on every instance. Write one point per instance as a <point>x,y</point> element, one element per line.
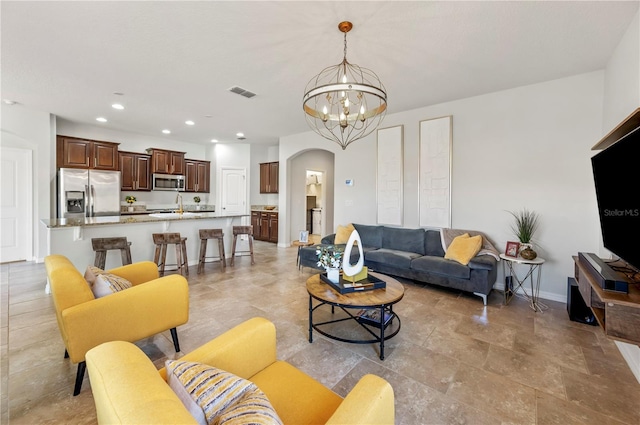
<point>453,362</point>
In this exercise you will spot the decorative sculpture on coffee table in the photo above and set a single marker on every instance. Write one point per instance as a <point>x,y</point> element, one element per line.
<point>355,272</point>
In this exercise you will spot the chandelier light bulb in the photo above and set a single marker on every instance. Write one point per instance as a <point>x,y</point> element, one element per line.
<point>344,78</point>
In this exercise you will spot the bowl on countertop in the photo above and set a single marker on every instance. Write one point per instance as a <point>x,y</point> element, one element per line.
<point>270,207</point>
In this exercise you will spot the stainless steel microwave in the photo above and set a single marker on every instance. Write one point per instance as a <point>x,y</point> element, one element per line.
<point>168,182</point>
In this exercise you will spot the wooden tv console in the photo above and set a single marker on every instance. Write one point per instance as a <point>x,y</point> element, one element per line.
<point>618,314</point>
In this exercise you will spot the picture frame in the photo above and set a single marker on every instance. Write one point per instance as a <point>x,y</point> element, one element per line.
<point>512,249</point>
<point>304,236</point>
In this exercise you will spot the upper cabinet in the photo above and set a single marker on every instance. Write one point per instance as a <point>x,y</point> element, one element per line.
<point>166,162</point>
<point>72,152</point>
<point>197,175</point>
<point>136,171</point>
<point>269,174</point>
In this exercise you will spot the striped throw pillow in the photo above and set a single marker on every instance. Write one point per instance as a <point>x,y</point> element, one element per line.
<point>91,273</point>
<point>216,397</point>
<point>107,284</point>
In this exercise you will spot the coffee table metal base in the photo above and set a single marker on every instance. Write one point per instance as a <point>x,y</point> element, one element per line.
<point>379,338</point>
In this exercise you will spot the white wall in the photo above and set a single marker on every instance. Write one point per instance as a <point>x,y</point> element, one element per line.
<point>34,130</point>
<point>525,147</point>
<point>621,97</point>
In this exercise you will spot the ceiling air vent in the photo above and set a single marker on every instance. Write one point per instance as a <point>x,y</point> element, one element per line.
<point>242,92</point>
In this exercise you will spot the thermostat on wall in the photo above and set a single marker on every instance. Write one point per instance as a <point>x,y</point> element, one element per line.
<point>348,182</point>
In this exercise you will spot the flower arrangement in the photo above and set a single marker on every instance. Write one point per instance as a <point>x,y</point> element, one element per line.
<point>130,199</point>
<point>196,199</point>
<point>329,256</point>
<point>525,225</point>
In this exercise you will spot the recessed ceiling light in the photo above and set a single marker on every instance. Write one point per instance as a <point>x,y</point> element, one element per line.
<point>101,119</point>
<point>189,122</point>
<point>117,106</point>
<point>165,131</point>
<point>240,134</point>
<point>214,140</point>
<point>9,102</point>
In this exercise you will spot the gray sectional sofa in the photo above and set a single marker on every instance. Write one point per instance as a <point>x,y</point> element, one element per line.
<point>415,254</point>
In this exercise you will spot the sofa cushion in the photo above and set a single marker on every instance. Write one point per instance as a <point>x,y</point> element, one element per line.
<point>440,266</point>
<point>410,240</point>
<point>433,243</point>
<point>214,396</point>
<point>401,259</point>
<point>482,262</point>
<point>343,233</point>
<point>107,284</point>
<point>463,248</point>
<point>370,235</point>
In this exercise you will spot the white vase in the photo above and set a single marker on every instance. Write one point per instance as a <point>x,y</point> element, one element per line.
<point>130,209</point>
<point>198,207</point>
<point>333,275</point>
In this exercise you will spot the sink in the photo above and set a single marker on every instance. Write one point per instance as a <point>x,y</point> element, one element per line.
<point>174,215</point>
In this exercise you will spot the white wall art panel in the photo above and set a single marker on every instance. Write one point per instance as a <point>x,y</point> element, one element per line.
<point>435,172</point>
<point>389,176</point>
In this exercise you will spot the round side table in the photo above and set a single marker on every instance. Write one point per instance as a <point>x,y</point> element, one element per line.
<point>300,244</point>
<point>512,283</point>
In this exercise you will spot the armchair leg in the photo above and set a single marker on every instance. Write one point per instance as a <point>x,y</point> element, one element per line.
<point>79,377</point>
<point>66,354</point>
<point>174,336</point>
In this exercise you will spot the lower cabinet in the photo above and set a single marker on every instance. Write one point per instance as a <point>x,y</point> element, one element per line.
<point>265,226</point>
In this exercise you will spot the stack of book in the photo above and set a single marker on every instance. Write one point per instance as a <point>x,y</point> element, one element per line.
<point>371,316</point>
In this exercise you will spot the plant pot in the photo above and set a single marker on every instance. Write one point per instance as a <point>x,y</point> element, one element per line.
<point>528,254</point>
<point>197,207</point>
<point>333,275</point>
<point>130,209</point>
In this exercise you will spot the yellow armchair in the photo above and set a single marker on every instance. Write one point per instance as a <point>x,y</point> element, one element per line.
<point>150,306</point>
<point>127,388</point>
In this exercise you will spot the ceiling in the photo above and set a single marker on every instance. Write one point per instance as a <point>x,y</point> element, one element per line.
<point>175,61</point>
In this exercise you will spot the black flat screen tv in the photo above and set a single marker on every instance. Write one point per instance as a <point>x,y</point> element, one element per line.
<point>616,172</point>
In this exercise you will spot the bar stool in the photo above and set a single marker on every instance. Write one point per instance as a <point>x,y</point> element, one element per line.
<point>205,235</point>
<point>161,240</point>
<point>242,230</point>
<point>102,245</point>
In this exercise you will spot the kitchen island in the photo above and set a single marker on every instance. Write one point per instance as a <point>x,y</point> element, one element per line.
<point>71,237</point>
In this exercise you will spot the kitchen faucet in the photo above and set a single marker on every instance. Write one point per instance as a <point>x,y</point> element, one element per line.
<point>179,202</point>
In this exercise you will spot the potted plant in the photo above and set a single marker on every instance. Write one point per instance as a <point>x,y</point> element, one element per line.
<point>196,199</point>
<point>330,257</point>
<point>130,200</point>
<point>524,227</point>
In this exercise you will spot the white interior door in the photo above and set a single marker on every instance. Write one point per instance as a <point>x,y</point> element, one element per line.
<point>234,191</point>
<point>15,205</point>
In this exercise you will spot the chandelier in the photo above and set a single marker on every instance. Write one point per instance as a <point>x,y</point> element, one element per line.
<point>344,102</point>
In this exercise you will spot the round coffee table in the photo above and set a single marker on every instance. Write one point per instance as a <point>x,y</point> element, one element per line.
<point>381,300</point>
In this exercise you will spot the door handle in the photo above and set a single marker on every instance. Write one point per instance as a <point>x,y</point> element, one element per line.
<point>93,198</point>
<point>86,200</point>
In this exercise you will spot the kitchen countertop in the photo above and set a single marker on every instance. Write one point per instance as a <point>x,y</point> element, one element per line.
<point>129,219</point>
<point>263,210</point>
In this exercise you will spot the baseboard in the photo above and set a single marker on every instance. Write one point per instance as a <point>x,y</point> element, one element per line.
<point>551,296</point>
<point>631,354</point>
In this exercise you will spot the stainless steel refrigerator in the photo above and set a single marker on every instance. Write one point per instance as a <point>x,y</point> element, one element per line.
<point>88,193</point>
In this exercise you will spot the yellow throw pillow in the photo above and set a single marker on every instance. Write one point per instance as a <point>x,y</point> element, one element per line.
<point>463,248</point>
<point>343,233</point>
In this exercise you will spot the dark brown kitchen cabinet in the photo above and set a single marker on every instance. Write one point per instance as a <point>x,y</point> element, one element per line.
<point>255,223</point>
<point>197,175</point>
<point>72,152</point>
<point>166,162</point>
<point>265,225</point>
<point>269,174</point>
<point>135,169</point>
